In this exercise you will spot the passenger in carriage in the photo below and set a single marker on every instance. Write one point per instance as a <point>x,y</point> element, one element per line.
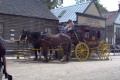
<point>70,26</point>
<point>62,29</point>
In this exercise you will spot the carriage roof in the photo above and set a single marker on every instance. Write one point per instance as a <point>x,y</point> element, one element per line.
<point>87,27</point>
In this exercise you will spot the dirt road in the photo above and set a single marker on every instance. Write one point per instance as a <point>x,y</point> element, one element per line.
<point>92,69</point>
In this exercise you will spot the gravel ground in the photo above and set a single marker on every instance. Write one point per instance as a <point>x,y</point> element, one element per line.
<point>92,69</point>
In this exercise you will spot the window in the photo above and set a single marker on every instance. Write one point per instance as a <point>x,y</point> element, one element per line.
<point>12,35</point>
<point>93,32</point>
<point>1,28</point>
<point>107,39</point>
<point>12,38</point>
<point>79,35</point>
<point>12,30</point>
<point>87,33</point>
<point>48,29</point>
<point>61,14</point>
<point>98,34</point>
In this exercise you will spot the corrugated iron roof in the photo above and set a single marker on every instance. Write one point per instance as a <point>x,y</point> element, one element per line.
<point>30,8</point>
<point>70,11</point>
<point>111,16</point>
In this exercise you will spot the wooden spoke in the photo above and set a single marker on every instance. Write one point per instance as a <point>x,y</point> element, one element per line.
<point>103,50</point>
<point>82,51</point>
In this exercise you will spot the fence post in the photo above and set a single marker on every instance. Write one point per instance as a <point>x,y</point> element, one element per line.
<point>18,47</point>
<point>114,52</point>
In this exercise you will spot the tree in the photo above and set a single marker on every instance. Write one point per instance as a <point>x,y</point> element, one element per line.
<point>52,4</point>
<point>100,7</point>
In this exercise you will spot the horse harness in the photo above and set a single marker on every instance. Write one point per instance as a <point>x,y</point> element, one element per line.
<point>50,40</point>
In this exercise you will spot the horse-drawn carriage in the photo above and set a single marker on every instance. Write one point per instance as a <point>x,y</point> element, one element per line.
<point>85,41</point>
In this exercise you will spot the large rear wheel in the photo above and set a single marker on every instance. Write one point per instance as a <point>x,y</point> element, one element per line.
<point>82,51</point>
<point>103,50</point>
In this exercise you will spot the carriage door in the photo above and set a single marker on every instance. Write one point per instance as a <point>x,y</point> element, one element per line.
<point>86,35</point>
<point>93,35</point>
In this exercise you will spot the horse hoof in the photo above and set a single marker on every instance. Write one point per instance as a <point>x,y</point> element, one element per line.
<point>46,61</point>
<point>67,60</point>
<point>35,59</point>
<point>62,60</point>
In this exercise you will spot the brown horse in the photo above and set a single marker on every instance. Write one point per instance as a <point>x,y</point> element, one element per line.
<point>53,41</point>
<point>35,43</point>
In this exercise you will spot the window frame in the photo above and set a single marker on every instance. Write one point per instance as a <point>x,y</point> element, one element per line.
<point>1,27</point>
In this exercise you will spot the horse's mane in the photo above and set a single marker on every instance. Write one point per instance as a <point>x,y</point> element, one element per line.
<point>36,35</point>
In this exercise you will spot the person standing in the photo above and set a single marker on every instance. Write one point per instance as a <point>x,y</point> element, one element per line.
<point>2,55</point>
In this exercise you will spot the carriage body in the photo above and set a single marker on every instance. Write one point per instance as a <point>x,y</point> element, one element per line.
<point>87,41</point>
<point>89,35</point>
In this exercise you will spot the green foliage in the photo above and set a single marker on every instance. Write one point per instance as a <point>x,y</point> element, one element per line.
<point>52,4</point>
<point>101,8</point>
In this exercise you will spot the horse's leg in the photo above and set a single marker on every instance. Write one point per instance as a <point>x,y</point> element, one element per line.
<point>45,55</point>
<point>68,51</point>
<point>67,56</point>
<point>36,57</point>
<point>50,54</point>
<point>39,55</point>
<point>56,55</point>
<point>64,56</point>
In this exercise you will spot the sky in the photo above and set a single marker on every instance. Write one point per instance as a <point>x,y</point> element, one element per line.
<point>110,5</point>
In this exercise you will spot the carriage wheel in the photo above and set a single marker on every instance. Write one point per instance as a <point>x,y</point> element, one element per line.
<point>103,50</point>
<point>82,51</point>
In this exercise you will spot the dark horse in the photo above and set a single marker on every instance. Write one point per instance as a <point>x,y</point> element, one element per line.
<point>34,42</point>
<point>52,41</point>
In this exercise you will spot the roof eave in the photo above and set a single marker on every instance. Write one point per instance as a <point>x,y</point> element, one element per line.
<point>91,16</point>
<point>28,16</point>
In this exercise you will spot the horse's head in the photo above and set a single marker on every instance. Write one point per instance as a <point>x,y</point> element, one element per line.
<point>23,35</point>
<point>33,37</point>
<point>30,38</point>
<point>42,34</point>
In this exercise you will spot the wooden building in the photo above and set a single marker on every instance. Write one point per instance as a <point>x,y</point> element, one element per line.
<point>16,15</point>
<point>112,26</point>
